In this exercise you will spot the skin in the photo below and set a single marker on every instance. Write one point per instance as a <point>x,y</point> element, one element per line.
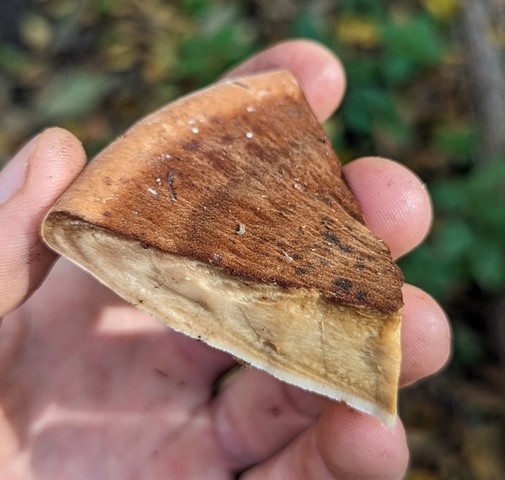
<point>92,388</point>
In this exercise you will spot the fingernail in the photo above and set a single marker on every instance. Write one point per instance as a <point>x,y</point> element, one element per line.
<point>13,175</point>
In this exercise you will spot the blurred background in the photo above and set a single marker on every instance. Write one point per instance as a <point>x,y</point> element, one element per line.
<point>426,87</point>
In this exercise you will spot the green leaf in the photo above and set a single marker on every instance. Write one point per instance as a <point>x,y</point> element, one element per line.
<point>490,177</point>
<point>458,141</point>
<point>426,269</point>
<point>196,8</point>
<point>13,60</point>
<point>485,189</point>
<point>355,111</point>
<point>223,38</point>
<point>408,46</point>
<point>450,196</point>
<point>308,25</point>
<point>467,345</point>
<point>360,71</point>
<point>487,264</point>
<point>364,106</point>
<point>396,70</point>
<point>454,238</point>
<point>469,236</point>
<point>72,94</point>
<point>106,6</point>
<point>364,7</point>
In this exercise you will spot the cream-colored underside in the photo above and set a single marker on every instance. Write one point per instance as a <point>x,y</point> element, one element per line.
<point>294,334</point>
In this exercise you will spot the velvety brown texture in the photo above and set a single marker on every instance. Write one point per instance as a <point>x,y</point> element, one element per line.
<point>226,215</point>
<point>245,178</point>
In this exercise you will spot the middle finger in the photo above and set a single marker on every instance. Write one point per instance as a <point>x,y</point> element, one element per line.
<point>257,415</point>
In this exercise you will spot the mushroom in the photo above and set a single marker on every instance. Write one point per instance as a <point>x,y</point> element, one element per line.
<point>225,214</point>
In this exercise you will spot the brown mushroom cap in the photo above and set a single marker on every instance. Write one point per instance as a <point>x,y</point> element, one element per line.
<point>226,215</point>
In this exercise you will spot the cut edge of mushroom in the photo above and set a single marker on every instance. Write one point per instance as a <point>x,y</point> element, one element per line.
<point>236,187</point>
<point>335,351</point>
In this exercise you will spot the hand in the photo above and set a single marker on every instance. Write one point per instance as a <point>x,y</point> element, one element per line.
<point>91,388</point>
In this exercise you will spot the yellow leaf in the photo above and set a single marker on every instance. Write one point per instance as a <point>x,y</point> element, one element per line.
<point>35,31</point>
<point>120,57</point>
<point>357,30</point>
<point>442,9</point>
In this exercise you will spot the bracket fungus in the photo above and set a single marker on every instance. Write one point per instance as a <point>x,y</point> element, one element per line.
<point>225,214</point>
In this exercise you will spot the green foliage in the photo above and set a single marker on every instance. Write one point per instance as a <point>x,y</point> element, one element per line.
<point>12,59</point>
<point>385,50</point>
<point>138,55</point>
<point>468,239</point>
<point>71,95</point>
<point>468,348</point>
<point>105,6</point>
<point>372,8</point>
<point>409,46</point>
<point>459,141</point>
<point>395,53</point>
<point>379,116</point>
<point>308,25</point>
<point>222,38</point>
<point>196,8</point>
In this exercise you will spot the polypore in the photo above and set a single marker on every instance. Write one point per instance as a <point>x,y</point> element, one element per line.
<point>226,215</point>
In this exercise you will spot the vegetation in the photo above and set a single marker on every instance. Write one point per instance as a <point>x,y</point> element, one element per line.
<point>94,67</point>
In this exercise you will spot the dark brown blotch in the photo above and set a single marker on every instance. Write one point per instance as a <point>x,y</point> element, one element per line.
<point>227,139</point>
<point>192,146</point>
<point>361,296</point>
<point>303,269</point>
<point>341,284</point>
<point>360,266</point>
<point>331,237</point>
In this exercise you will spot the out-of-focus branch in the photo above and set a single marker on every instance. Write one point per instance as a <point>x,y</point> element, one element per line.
<point>487,75</point>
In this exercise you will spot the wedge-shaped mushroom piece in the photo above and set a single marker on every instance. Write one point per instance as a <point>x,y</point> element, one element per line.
<point>226,215</point>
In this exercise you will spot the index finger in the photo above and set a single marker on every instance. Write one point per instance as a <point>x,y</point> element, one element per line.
<point>319,72</point>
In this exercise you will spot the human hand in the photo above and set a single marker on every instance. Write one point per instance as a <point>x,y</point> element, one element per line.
<point>92,388</point>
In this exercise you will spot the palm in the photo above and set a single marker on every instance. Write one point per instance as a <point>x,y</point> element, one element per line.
<point>111,388</point>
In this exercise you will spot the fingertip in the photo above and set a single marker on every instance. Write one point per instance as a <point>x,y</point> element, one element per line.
<point>357,445</point>
<point>55,160</point>
<point>396,204</point>
<point>318,70</point>
<point>426,336</point>
<point>58,158</point>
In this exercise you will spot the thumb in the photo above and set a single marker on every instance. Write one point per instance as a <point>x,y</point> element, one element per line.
<point>29,184</point>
